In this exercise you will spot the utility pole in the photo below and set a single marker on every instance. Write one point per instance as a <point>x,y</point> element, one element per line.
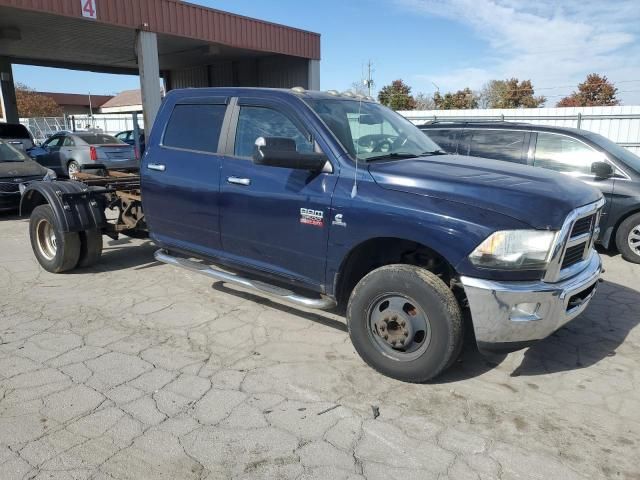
<point>369,80</point>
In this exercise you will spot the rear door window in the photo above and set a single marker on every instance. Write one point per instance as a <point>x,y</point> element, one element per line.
<point>564,154</point>
<point>195,127</point>
<point>445,138</point>
<point>68,142</point>
<point>255,122</point>
<point>507,145</point>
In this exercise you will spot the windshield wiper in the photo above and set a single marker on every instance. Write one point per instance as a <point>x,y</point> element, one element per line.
<point>433,152</point>
<point>392,156</point>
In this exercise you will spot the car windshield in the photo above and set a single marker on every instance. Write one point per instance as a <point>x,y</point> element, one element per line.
<point>10,154</point>
<point>370,131</point>
<point>629,158</point>
<point>98,139</point>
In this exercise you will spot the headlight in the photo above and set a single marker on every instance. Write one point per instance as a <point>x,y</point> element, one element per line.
<point>50,175</point>
<point>515,250</point>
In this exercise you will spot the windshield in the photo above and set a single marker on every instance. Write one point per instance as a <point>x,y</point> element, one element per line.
<point>10,154</point>
<point>369,130</point>
<point>98,139</point>
<point>626,156</point>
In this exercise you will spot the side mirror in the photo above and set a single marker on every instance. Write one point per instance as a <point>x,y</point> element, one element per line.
<point>281,152</point>
<point>602,169</point>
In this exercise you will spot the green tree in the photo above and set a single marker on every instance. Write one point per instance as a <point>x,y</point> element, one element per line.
<point>461,100</point>
<point>595,91</point>
<point>397,96</point>
<point>510,93</point>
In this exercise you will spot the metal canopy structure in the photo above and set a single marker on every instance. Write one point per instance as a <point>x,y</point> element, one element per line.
<point>188,45</point>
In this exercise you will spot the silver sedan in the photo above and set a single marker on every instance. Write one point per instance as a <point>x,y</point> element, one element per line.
<point>68,153</point>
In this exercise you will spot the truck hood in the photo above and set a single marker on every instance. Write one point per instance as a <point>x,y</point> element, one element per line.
<point>535,196</point>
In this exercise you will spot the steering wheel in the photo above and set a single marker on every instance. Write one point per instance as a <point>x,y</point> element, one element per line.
<point>376,142</point>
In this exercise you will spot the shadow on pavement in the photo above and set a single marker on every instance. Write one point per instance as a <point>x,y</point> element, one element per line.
<point>119,255</point>
<point>10,215</point>
<point>593,336</point>
<point>314,317</point>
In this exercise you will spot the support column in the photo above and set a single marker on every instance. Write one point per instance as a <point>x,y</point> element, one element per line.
<point>314,75</point>
<point>8,92</point>
<point>149,70</point>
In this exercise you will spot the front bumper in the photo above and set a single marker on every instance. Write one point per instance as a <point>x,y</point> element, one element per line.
<point>511,315</point>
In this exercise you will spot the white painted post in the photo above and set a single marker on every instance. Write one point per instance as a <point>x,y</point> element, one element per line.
<point>8,92</point>
<point>314,75</point>
<point>149,68</point>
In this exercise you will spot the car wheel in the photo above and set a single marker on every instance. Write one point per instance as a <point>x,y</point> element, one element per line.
<point>628,238</point>
<point>56,251</point>
<point>72,168</point>
<point>90,248</point>
<point>405,322</point>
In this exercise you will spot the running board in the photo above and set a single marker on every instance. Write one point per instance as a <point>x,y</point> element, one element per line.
<point>322,303</point>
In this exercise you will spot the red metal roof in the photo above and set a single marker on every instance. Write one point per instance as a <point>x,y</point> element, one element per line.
<point>174,17</point>
<point>77,99</point>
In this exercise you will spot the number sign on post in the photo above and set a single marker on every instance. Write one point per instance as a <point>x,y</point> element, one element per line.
<point>88,8</point>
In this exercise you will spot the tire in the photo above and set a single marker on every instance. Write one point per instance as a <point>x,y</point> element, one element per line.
<point>628,238</point>
<point>56,251</point>
<point>90,248</point>
<point>413,297</point>
<point>73,167</point>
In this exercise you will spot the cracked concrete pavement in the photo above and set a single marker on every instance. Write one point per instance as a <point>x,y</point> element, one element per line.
<point>138,370</point>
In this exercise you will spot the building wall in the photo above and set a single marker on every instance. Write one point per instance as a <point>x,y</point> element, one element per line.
<point>273,71</point>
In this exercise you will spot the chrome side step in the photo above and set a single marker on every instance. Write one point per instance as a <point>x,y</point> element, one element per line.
<point>322,303</point>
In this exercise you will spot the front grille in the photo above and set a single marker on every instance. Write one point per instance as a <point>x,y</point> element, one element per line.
<point>573,255</point>
<point>9,187</point>
<point>582,226</point>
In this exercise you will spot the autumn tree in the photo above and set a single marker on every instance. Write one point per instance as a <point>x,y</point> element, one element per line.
<point>462,99</point>
<point>33,104</point>
<point>510,93</point>
<point>595,91</point>
<point>397,96</point>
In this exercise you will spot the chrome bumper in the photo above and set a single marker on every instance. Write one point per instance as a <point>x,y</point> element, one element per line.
<point>522,312</point>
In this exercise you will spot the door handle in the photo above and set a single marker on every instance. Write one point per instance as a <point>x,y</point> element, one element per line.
<point>156,166</point>
<point>239,181</point>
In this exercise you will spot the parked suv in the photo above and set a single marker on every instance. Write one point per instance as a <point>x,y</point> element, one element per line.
<point>580,154</point>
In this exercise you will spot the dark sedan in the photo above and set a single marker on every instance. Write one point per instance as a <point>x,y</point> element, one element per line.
<point>16,168</point>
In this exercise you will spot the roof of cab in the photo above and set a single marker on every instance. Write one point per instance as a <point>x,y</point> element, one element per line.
<point>277,92</point>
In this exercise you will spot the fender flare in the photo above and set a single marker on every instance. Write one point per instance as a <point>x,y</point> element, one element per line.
<point>76,207</point>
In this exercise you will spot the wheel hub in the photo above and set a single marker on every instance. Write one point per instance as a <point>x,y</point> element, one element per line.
<point>395,329</point>
<point>399,328</point>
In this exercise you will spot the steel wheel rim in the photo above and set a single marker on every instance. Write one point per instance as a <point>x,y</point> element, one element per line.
<point>73,169</point>
<point>398,317</point>
<point>634,240</point>
<point>46,239</point>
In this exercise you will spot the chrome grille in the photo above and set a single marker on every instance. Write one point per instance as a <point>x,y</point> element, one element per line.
<point>582,226</point>
<point>573,255</point>
<point>574,242</point>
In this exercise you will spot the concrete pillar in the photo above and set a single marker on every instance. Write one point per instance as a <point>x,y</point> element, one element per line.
<point>8,92</point>
<point>149,70</point>
<point>314,75</point>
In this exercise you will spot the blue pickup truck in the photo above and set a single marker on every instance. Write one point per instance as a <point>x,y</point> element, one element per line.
<point>332,201</point>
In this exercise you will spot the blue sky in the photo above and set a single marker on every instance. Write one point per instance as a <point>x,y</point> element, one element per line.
<point>449,43</point>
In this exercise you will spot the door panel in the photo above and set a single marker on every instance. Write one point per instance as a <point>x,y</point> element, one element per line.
<point>51,159</point>
<point>275,219</point>
<point>181,179</point>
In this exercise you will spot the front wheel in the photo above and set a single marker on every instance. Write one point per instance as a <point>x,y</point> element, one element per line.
<point>56,251</point>
<point>405,322</point>
<point>628,238</point>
